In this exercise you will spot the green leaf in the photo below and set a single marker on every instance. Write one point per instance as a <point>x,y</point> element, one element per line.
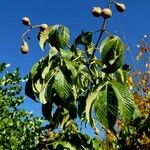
<point>66,53</point>
<point>61,85</point>
<point>34,70</point>
<point>121,76</point>
<point>45,71</point>
<point>46,110</point>
<point>82,104</point>
<point>62,36</point>
<point>44,36</point>
<point>52,52</point>
<point>85,38</point>
<point>106,46</point>
<point>63,145</point>
<point>96,144</point>
<point>111,48</point>
<point>89,104</point>
<point>37,86</point>
<point>115,66</point>
<point>56,35</point>
<point>71,66</point>
<point>29,91</point>
<point>106,106</point>
<point>42,94</point>
<point>125,100</point>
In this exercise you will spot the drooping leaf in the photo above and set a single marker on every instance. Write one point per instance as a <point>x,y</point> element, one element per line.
<point>71,107</point>
<point>125,100</point>
<point>34,70</point>
<point>89,104</point>
<point>46,110</point>
<point>82,104</point>
<point>37,86</point>
<point>115,66</point>
<point>111,49</point>
<point>106,106</point>
<point>121,76</point>
<point>44,36</point>
<point>85,38</point>
<point>52,52</point>
<point>71,66</point>
<point>56,35</point>
<point>66,54</point>
<point>42,96</point>
<point>62,36</point>
<point>61,85</point>
<point>45,71</point>
<point>29,91</point>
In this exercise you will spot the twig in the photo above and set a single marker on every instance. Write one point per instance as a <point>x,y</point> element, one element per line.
<point>102,30</point>
<point>31,27</point>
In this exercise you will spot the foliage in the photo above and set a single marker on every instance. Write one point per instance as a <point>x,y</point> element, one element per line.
<point>136,134</point>
<point>19,129</point>
<point>87,80</point>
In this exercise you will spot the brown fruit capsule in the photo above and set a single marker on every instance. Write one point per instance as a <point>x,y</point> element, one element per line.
<point>106,13</point>
<point>24,48</point>
<point>96,11</point>
<point>120,7</point>
<point>43,26</point>
<point>26,21</point>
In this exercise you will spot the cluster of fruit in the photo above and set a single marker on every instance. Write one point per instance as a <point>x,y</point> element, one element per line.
<point>106,12</point>
<point>26,21</point>
<point>96,11</point>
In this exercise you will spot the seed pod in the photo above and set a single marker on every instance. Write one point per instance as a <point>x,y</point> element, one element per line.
<point>96,11</point>
<point>26,21</point>
<point>120,7</point>
<point>24,48</point>
<point>43,26</point>
<point>106,13</point>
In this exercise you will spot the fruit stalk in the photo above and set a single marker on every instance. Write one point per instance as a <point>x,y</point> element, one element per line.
<point>28,30</point>
<point>102,30</point>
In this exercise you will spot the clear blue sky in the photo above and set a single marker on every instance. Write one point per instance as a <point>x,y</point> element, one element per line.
<point>75,14</point>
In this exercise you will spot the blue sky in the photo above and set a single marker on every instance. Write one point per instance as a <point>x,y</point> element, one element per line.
<point>76,15</point>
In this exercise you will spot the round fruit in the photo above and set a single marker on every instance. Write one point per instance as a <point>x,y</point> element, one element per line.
<point>106,13</point>
<point>43,26</point>
<point>24,48</point>
<point>120,7</point>
<point>96,11</point>
<point>26,21</point>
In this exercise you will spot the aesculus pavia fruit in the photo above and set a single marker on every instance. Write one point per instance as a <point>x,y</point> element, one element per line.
<point>120,7</point>
<point>24,48</point>
<point>106,13</point>
<point>26,21</point>
<point>96,11</point>
<point>43,26</point>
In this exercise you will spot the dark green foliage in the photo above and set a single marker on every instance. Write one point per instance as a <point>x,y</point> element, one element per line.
<point>63,77</point>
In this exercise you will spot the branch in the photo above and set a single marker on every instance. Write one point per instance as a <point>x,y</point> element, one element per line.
<point>31,27</point>
<point>102,30</point>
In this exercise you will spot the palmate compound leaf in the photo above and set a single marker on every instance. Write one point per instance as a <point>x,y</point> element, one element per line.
<point>56,35</point>
<point>61,85</point>
<point>125,98</point>
<point>106,106</point>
